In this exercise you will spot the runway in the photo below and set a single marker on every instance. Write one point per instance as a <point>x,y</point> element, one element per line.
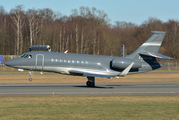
<point>81,89</point>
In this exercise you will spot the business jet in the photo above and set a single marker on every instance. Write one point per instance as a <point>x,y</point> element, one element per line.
<point>91,66</point>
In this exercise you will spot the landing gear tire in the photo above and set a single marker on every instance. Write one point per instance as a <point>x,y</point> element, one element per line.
<point>30,79</point>
<point>90,84</point>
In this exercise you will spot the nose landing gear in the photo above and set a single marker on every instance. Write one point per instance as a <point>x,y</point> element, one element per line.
<point>30,74</point>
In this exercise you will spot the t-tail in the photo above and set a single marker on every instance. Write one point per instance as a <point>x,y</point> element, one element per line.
<point>148,52</point>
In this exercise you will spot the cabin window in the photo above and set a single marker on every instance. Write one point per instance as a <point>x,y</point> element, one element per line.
<point>73,61</point>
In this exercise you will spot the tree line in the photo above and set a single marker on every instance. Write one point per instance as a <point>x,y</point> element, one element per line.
<point>86,31</point>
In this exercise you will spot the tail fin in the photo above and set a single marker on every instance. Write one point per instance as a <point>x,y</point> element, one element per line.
<point>150,47</point>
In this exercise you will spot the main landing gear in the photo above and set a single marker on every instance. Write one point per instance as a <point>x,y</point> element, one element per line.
<point>90,82</point>
<point>30,74</point>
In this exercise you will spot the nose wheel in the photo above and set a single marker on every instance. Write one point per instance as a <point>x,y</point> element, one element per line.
<point>30,79</point>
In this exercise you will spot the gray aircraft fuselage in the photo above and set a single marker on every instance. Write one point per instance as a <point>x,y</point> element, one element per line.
<point>69,62</point>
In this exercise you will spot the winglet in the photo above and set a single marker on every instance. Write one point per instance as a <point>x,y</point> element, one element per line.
<point>126,71</point>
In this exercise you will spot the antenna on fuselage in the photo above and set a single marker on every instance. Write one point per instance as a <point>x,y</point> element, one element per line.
<point>66,51</point>
<point>40,47</point>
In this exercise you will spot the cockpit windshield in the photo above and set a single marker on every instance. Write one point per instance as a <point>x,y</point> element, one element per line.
<point>26,56</point>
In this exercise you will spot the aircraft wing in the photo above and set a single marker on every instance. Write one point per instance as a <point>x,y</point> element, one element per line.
<point>98,75</point>
<point>126,71</point>
<point>79,73</point>
<point>122,74</point>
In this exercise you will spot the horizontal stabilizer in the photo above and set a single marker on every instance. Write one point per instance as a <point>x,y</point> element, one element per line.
<point>163,56</point>
<point>155,55</point>
<point>126,71</point>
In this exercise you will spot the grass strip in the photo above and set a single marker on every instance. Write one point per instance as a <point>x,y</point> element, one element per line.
<point>90,107</point>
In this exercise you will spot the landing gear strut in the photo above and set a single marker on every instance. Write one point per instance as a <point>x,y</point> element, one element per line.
<point>90,82</point>
<point>30,74</point>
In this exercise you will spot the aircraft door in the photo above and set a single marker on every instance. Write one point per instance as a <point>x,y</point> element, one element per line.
<point>39,63</point>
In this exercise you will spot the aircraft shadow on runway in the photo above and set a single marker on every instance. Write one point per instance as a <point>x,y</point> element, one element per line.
<point>118,85</point>
<point>94,87</point>
<point>104,86</point>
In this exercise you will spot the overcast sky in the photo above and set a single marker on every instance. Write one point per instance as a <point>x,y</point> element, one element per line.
<point>135,11</point>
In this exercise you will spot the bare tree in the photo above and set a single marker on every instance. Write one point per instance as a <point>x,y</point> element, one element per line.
<point>76,32</point>
<point>96,18</point>
<point>17,25</point>
<point>33,24</point>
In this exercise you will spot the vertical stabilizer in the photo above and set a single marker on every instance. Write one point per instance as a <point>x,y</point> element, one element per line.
<point>151,46</point>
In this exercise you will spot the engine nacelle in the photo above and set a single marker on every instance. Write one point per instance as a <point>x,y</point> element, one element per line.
<point>121,63</point>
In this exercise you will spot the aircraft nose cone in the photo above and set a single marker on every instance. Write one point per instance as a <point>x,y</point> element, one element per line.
<point>8,63</point>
